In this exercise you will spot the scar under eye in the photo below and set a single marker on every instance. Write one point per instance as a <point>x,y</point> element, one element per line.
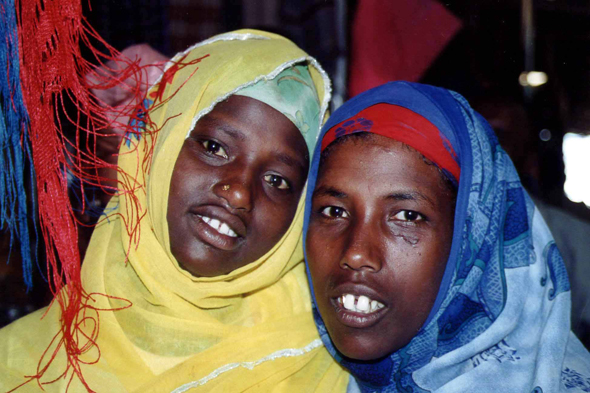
<point>334,212</point>
<point>214,148</point>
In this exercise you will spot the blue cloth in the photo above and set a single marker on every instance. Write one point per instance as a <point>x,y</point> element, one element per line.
<point>15,167</point>
<point>500,322</point>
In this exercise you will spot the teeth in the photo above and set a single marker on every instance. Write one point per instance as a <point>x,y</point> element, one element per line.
<point>349,302</point>
<point>363,304</point>
<point>360,304</point>
<point>219,226</point>
<point>214,223</point>
<point>226,230</point>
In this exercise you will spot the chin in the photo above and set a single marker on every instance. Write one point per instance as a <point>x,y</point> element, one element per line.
<point>358,349</point>
<point>366,356</point>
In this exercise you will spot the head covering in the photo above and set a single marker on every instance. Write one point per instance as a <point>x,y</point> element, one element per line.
<point>500,322</point>
<point>405,126</point>
<point>249,329</point>
<point>292,93</point>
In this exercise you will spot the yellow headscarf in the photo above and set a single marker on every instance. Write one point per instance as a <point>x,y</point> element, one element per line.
<point>249,330</point>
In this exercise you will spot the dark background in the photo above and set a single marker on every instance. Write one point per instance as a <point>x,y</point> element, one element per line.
<point>482,62</point>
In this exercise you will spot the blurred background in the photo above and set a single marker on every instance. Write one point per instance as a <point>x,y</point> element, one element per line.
<point>523,64</point>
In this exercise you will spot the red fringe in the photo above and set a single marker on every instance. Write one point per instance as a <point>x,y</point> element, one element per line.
<point>50,35</point>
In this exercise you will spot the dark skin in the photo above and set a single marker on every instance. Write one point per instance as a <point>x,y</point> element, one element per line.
<point>235,187</point>
<point>381,228</point>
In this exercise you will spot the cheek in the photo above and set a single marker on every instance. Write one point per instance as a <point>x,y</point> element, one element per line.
<point>179,181</point>
<point>174,199</point>
<point>418,267</point>
<point>313,254</point>
<point>174,196</point>
<point>277,213</point>
<point>270,222</point>
<point>320,242</point>
<point>431,261</point>
<point>322,256</point>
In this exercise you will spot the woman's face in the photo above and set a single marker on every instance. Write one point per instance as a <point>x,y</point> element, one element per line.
<point>235,187</point>
<point>377,246</point>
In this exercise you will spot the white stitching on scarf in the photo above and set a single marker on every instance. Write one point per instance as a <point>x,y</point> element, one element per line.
<point>250,365</point>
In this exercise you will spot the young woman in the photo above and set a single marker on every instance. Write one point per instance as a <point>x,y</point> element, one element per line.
<point>432,271</point>
<point>196,281</point>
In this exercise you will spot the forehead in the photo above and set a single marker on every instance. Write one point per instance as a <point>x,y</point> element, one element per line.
<point>379,165</point>
<point>251,121</point>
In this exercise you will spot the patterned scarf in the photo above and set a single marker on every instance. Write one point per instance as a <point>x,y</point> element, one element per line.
<point>500,322</point>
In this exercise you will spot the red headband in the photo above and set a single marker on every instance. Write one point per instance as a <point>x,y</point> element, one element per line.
<point>403,125</point>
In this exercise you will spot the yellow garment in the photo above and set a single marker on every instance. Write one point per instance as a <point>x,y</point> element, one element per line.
<point>247,331</point>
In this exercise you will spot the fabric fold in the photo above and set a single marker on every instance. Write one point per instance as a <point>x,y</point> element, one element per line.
<point>501,319</point>
<point>179,328</point>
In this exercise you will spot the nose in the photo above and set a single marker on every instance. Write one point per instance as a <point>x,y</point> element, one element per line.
<point>237,192</point>
<point>363,252</point>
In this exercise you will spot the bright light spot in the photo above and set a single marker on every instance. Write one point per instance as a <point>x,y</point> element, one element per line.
<point>532,78</point>
<point>576,157</point>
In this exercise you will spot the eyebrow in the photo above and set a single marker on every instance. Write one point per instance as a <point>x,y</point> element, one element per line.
<point>289,160</point>
<point>410,196</point>
<point>398,196</point>
<point>239,135</point>
<point>329,191</point>
<point>227,128</point>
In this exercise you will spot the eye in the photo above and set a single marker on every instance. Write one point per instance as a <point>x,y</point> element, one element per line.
<point>334,212</point>
<point>277,181</point>
<point>409,215</point>
<point>214,148</point>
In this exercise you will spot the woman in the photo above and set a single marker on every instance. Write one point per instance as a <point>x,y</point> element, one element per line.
<point>208,291</point>
<point>443,276</point>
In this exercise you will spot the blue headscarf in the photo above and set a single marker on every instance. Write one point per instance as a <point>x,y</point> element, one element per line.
<point>501,319</point>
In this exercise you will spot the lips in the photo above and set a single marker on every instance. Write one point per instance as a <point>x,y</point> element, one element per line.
<point>357,305</point>
<point>217,227</point>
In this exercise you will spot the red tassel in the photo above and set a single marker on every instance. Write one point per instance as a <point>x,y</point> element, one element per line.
<point>51,65</point>
<point>52,69</point>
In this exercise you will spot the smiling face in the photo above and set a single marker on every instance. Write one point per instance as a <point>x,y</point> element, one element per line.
<point>377,245</point>
<point>235,187</point>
